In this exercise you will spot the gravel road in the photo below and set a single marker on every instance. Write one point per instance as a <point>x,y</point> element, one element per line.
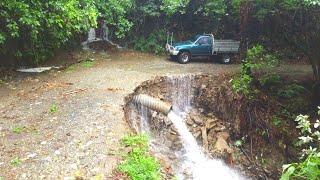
<point>68,123</point>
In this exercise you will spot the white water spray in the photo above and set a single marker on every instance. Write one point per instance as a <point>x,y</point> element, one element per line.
<point>201,167</point>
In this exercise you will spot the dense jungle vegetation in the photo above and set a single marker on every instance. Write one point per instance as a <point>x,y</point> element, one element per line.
<point>270,31</point>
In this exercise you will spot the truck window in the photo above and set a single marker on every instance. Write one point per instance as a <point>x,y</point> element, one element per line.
<point>204,41</point>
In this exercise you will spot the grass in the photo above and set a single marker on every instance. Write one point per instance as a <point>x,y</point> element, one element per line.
<point>88,63</point>
<point>17,129</point>
<point>15,162</point>
<point>138,164</point>
<point>70,68</point>
<point>53,108</point>
<point>2,82</point>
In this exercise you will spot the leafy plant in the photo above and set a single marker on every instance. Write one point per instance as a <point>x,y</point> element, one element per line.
<point>88,63</point>
<point>310,139</point>
<point>29,27</point>
<point>152,43</point>
<point>53,108</point>
<point>17,129</point>
<point>138,164</point>
<point>15,162</point>
<point>242,84</point>
<point>257,58</point>
<point>276,121</point>
<point>291,91</point>
<point>70,68</point>
<point>270,80</point>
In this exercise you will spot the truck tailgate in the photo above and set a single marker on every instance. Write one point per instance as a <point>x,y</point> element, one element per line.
<point>226,46</point>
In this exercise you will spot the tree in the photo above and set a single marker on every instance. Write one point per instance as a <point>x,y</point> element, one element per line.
<point>34,29</point>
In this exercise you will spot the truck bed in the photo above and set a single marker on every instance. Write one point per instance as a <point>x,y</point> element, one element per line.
<point>226,46</point>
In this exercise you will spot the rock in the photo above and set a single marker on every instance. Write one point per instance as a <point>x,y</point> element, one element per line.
<point>197,134</point>
<point>221,144</point>
<point>189,121</point>
<point>204,138</point>
<point>197,120</point>
<point>154,114</point>
<point>173,131</point>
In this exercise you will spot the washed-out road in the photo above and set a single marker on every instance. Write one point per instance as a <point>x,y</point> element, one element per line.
<point>68,123</point>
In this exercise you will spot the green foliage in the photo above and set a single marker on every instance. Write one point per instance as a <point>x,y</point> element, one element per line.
<point>15,162</point>
<point>256,60</point>
<point>53,108</point>
<point>88,63</point>
<point>270,80</point>
<point>276,121</point>
<point>17,129</point>
<point>291,91</point>
<point>115,12</point>
<point>171,7</point>
<point>154,43</point>
<point>138,164</point>
<point>36,28</point>
<point>308,169</point>
<point>215,7</point>
<point>242,84</point>
<point>310,138</point>
<point>70,68</point>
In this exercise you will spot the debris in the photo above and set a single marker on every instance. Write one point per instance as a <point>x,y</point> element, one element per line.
<point>32,155</point>
<point>204,137</point>
<point>221,144</point>
<point>36,70</point>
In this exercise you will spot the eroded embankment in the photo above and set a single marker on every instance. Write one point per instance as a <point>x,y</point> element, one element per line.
<point>226,125</point>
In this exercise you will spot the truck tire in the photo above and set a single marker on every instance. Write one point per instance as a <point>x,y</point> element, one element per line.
<point>226,59</point>
<point>184,57</point>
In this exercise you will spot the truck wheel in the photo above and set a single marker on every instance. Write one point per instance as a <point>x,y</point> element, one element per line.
<point>184,57</point>
<point>226,59</point>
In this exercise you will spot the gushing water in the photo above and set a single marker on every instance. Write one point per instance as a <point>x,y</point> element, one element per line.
<point>201,167</point>
<point>193,162</point>
<point>181,89</point>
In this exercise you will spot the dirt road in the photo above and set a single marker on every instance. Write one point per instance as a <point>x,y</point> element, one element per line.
<point>68,123</point>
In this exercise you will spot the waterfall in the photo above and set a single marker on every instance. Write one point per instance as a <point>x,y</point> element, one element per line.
<point>191,162</point>
<point>91,34</point>
<point>103,36</point>
<point>181,91</point>
<point>201,167</point>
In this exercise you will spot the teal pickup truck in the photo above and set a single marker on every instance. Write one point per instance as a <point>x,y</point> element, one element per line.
<point>203,45</point>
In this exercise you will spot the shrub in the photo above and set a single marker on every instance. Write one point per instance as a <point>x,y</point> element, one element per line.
<point>309,138</point>
<point>257,58</point>
<point>138,164</point>
<point>153,43</point>
<point>270,80</point>
<point>291,91</point>
<point>34,29</point>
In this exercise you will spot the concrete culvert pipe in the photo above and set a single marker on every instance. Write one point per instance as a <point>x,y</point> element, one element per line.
<point>152,103</point>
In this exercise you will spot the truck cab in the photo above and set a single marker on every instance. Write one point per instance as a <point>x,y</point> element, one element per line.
<point>202,45</point>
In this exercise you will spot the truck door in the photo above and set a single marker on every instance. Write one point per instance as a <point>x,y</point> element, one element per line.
<point>202,47</point>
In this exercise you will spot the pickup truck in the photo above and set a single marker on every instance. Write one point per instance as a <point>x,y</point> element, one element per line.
<point>203,45</point>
